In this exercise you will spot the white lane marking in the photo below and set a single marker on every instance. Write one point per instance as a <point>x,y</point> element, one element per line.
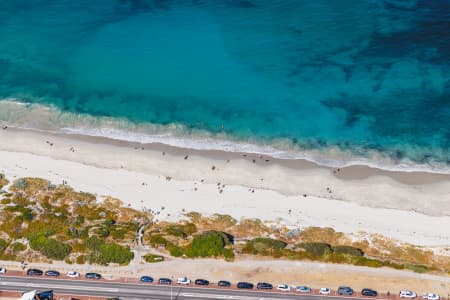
<point>214,296</point>
<point>69,287</point>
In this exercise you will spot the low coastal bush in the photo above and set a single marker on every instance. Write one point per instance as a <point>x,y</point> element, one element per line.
<point>175,251</point>
<point>49,247</point>
<point>5,201</point>
<point>111,253</point>
<point>18,247</point>
<point>153,258</point>
<point>264,246</point>
<point>181,230</point>
<point>317,249</point>
<point>81,259</point>
<point>210,244</point>
<point>417,268</point>
<point>348,250</point>
<point>3,245</point>
<point>157,240</point>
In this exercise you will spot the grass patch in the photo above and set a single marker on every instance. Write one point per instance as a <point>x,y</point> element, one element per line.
<point>263,246</point>
<point>153,258</point>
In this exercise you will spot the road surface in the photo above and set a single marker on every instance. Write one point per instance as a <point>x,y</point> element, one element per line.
<point>141,291</point>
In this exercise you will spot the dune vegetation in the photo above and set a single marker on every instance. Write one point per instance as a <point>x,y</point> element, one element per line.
<point>40,221</point>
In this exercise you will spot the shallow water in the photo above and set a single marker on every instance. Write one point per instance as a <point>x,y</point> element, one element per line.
<point>367,77</point>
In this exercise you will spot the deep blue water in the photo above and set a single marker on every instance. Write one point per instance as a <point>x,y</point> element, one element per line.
<point>357,75</point>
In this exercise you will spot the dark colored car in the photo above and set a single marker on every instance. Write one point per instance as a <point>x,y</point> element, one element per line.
<point>165,281</point>
<point>345,290</point>
<point>52,273</point>
<point>201,282</point>
<point>264,286</point>
<point>146,279</point>
<point>224,283</point>
<point>369,292</point>
<point>93,276</point>
<point>245,285</point>
<point>34,272</point>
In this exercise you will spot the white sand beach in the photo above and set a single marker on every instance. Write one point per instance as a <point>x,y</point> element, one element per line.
<point>410,207</point>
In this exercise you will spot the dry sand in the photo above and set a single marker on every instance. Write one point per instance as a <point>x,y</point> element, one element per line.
<point>390,203</point>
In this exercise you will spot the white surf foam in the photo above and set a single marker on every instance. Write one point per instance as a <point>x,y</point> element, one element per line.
<point>48,118</point>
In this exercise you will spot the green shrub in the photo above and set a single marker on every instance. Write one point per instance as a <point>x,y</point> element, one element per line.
<point>121,231</point>
<point>174,250</point>
<point>208,244</point>
<point>5,201</point>
<point>49,247</point>
<point>348,250</point>
<point>337,258</point>
<point>3,245</point>
<point>81,259</point>
<point>263,246</point>
<point>18,247</point>
<point>363,261</point>
<point>158,239</point>
<point>183,230</point>
<point>94,243</point>
<point>111,253</point>
<point>153,258</point>
<point>317,249</point>
<point>78,233</point>
<point>27,214</point>
<point>417,268</point>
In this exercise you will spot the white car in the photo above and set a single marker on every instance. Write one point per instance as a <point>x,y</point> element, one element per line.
<point>183,280</point>
<point>431,296</point>
<point>2,271</point>
<point>324,291</point>
<point>73,274</point>
<point>407,294</point>
<point>284,288</point>
<point>303,289</point>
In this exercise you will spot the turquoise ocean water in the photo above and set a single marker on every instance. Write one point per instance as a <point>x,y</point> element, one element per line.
<point>369,79</point>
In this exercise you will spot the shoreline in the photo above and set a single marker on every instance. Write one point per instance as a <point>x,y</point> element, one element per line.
<point>184,179</point>
<point>351,172</point>
<point>50,120</point>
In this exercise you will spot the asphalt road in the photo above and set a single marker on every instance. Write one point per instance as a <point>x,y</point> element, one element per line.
<point>139,291</point>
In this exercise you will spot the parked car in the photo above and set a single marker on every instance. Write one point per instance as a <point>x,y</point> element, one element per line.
<point>224,283</point>
<point>34,272</point>
<point>345,290</point>
<point>284,288</point>
<point>52,273</point>
<point>431,296</point>
<point>407,294</point>
<point>73,274</point>
<point>369,292</point>
<point>245,285</point>
<point>2,271</point>
<point>324,291</point>
<point>183,280</point>
<point>146,279</point>
<point>264,286</point>
<point>92,275</point>
<point>201,282</point>
<point>165,281</point>
<point>303,289</point>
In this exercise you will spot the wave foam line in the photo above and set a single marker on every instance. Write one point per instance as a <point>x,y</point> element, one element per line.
<point>47,118</point>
